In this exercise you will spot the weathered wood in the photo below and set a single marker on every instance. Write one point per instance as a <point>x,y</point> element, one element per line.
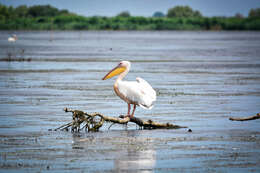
<point>149,124</point>
<point>90,124</point>
<point>257,116</point>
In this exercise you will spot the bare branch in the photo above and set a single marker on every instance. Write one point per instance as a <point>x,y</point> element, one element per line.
<point>257,116</point>
<point>87,120</point>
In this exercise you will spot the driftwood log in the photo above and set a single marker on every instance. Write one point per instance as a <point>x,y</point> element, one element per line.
<point>93,121</point>
<point>257,116</point>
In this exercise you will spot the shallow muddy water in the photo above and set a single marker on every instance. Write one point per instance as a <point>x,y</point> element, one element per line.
<point>201,79</point>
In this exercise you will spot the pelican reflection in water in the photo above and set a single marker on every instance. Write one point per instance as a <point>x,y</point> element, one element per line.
<point>134,93</point>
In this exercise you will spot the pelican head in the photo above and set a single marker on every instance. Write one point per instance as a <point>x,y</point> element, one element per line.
<point>123,66</point>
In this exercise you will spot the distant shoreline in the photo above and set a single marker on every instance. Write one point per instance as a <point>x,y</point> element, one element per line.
<point>46,17</point>
<point>130,23</point>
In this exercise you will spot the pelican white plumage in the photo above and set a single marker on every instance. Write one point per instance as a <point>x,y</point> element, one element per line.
<point>13,38</point>
<point>137,92</point>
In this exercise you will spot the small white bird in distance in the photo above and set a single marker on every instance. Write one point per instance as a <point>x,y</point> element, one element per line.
<point>13,38</point>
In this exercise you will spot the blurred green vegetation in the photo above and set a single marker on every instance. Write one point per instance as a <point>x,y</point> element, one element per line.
<point>46,17</point>
<point>183,11</point>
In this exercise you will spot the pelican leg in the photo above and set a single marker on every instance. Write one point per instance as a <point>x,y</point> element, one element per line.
<point>128,110</point>
<point>132,115</point>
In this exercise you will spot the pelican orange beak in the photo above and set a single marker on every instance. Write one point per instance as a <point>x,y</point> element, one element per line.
<point>115,71</point>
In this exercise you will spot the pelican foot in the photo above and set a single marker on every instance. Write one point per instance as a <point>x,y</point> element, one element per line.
<point>129,116</point>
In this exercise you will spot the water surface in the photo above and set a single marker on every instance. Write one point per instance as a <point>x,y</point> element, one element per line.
<point>201,79</point>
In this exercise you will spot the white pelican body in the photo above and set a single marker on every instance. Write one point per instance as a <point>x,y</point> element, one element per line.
<point>137,92</point>
<point>13,38</point>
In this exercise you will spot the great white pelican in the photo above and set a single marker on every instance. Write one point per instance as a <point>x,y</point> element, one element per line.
<point>137,92</point>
